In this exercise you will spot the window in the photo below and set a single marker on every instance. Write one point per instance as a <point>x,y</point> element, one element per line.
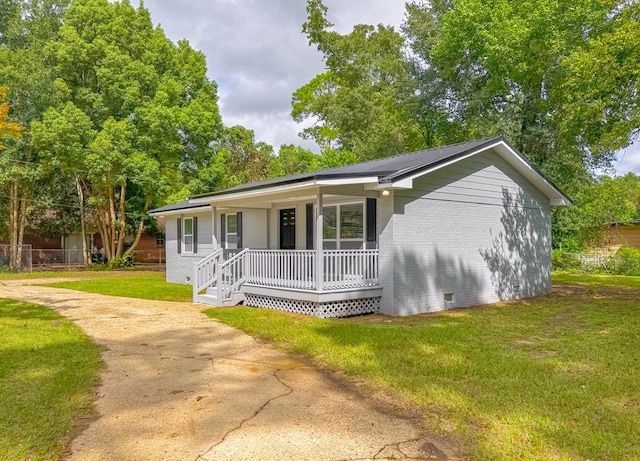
<point>187,235</point>
<point>343,226</point>
<point>160,241</point>
<point>232,231</point>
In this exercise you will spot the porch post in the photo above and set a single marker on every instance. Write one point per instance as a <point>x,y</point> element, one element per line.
<point>319,232</point>
<point>214,239</point>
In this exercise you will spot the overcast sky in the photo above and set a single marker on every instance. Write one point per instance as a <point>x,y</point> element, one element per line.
<point>257,54</point>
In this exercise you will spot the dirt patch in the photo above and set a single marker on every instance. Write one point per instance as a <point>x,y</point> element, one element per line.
<point>564,290</point>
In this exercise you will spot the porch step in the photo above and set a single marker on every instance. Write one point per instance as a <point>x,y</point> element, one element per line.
<point>212,300</point>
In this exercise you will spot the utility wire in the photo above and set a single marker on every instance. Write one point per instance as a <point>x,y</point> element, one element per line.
<point>76,207</point>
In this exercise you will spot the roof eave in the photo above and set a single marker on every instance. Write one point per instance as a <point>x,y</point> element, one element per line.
<point>290,186</point>
<point>159,212</point>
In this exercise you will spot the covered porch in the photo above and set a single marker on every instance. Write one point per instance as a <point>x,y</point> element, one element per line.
<point>312,250</point>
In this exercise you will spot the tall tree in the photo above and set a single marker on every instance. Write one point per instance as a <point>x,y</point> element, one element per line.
<point>25,28</point>
<point>236,158</point>
<point>150,114</point>
<point>363,102</point>
<point>503,68</point>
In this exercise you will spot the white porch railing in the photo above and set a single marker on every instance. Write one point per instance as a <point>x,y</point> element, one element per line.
<point>232,274</point>
<point>205,272</point>
<point>297,269</point>
<point>283,268</point>
<point>350,269</point>
<point>289,269</point>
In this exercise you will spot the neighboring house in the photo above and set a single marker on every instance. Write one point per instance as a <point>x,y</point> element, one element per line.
<point>51,249</point>
<point>447,227</point>
<point>625,234</point>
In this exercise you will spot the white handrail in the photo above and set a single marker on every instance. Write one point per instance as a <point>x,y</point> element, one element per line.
<point>232,274</point>
<point>205,272</point>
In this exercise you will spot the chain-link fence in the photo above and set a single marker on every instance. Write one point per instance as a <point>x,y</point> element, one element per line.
<point>26,261</point>
<point>38,259</point>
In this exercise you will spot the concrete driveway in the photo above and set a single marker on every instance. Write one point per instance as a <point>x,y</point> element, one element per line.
<point>181,386</point>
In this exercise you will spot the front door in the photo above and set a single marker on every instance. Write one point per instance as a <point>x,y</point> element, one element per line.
<point>288,229</point>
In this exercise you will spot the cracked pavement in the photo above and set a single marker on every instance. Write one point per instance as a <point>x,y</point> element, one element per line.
<point>180,386</point>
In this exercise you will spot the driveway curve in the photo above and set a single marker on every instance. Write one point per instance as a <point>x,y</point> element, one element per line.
<point>181,386</point>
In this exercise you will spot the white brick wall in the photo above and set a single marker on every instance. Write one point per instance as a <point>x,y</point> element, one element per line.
<point>482,236</point>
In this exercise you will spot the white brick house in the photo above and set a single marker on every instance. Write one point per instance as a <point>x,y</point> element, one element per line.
<point>447,227</point>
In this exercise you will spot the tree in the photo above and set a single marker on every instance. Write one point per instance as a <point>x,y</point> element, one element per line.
<point>25,28</point>
<point>602,90</point>
<point>148,113</point>
<point>7,129</point>
<point>363,102</point>
<point>499,67</point>
<point>236,158</point>
<point>599,207</point>
<point>293,160</point>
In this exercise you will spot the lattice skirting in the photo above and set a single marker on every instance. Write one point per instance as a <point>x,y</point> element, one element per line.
<point>322,310</point>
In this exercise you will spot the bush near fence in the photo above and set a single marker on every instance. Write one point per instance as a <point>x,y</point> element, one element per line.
<point>625,262</point>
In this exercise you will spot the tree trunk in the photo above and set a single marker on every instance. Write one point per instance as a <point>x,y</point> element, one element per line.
<point>122,232</point>
<point>86,257</point>
<point>18,220</point>
<point>13,222</point>
<point>139,231</point>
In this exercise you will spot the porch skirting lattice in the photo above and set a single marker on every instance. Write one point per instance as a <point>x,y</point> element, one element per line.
<point>318,309</point>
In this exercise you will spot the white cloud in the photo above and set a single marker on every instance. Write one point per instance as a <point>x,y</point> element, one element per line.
<point>628,160</point>
<point>257,54</point>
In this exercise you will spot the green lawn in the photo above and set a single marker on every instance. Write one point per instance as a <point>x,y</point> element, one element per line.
<point>597,279</point>
<point>131,285</point>
<point>48,369</point>
<point>553,378</point>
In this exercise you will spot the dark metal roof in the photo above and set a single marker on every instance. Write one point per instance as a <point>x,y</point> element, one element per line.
<point>387,169</point>
<point>177,206</point>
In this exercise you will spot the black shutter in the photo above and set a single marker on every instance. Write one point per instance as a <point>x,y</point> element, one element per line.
<point>223,230</point>
<point>371,219</point>
<point>195,234</point>
<point>179,239</point>
<point>309,219</point>
<point>239,223</point>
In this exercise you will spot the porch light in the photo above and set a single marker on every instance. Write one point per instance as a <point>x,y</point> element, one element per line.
<point>385,192</point>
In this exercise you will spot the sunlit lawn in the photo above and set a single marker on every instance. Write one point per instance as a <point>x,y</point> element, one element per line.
<point>131,285</point>
<point>546,379</point>
<point>550,378</point>
<point>597,279</point>
<point>48,369</point>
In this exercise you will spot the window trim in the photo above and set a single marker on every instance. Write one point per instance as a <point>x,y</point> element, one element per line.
<point>185,235</point>
<point>227,233</point>
<point>337,240</point>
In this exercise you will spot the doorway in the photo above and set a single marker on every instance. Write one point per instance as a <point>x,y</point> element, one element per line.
<point>288,229</point>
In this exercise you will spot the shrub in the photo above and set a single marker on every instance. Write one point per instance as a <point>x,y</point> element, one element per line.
<point>121,262</point>
<point>564,261</point>
<point>627,261</point>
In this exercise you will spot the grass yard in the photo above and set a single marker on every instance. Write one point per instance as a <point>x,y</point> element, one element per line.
<point>597,279</point>
<point>48,369</point>
<point>48,274</point>
<point>553,378</point>
<point>131,285</point>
